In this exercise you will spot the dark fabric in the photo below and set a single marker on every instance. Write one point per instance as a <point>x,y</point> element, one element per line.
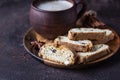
<point>17,64</point>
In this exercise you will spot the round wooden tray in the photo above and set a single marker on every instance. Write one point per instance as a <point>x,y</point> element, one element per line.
<point>31,35</point>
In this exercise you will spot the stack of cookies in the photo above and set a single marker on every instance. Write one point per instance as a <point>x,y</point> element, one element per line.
<point>80,46</point>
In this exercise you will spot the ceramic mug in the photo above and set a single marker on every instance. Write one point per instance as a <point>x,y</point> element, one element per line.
<point>51,24</point>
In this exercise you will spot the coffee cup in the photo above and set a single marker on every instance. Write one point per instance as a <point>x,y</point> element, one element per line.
<point>52,18</point>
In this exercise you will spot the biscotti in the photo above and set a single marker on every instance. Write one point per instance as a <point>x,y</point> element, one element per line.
<point>93,34</point>
<point>97,51</point>
<point>81,45</point>
<point>85,34</point>
<point>58,54</point>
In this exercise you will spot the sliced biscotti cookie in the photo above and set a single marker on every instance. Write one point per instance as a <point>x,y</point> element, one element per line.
<point>97,36</point>
<point>81,45</point>
<point>58,54</point>
<point>86,34</point>
<point>97,51</point>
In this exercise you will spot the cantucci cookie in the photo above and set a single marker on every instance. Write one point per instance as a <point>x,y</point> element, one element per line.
<point>93,34</point>
<point>81,45</point>
<point>85,34</point>
<point>59,54</point>
<point>97,51</point>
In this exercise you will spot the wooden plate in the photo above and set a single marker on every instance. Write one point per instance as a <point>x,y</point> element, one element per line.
<point>31,35</point>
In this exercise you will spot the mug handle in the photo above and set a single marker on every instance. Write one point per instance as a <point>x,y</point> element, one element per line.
<point>80,12</point>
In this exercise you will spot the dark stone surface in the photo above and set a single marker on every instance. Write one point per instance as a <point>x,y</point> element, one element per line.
<point>16,64</point>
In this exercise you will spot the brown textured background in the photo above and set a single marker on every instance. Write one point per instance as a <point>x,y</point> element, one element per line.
<point>16,64</point>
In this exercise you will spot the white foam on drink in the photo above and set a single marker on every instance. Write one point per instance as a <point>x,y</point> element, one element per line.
<point>55,5</point>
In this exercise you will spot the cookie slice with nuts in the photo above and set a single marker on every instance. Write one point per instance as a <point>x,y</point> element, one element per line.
<point>58,54</point>
<point>97,52</point>
<point>86,34</point>
<point>80,45</point>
